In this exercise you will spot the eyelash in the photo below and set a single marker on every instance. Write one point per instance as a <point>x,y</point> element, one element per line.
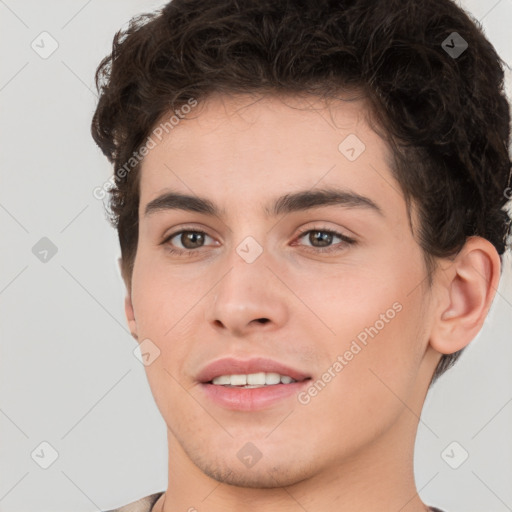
<point>345,240</point>
<point>322,250</point>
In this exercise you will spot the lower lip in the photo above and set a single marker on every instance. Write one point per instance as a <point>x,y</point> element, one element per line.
<point>251,399</point>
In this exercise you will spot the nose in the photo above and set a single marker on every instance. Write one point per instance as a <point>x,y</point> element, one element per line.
<point>248,298</point>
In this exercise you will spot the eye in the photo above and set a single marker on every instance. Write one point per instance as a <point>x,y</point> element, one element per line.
<point>186,241</point>
<point>322,239</point>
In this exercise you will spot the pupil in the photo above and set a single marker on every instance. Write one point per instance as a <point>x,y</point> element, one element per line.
<point>190,238</point>
<point>320,236</point>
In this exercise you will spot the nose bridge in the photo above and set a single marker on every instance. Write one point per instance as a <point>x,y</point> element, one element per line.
<point>248,293</point>
<point>246,276</point>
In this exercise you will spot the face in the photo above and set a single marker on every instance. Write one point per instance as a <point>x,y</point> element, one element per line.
<point>293,260</point>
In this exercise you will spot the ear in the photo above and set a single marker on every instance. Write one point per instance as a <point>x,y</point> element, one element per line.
<point>128,305</point>
<point>130,317</point>
<point>466,289</point>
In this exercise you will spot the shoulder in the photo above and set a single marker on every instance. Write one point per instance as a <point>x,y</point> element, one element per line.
<point>143,505</point>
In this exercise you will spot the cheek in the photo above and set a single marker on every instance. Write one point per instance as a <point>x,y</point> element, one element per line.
<point>163,299</point>
<point>370,366</point>
<point>371,316</point>
<point>350,299</point>
<point>161,304</point>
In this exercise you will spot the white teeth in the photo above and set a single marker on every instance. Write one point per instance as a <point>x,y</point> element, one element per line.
<point>222,379</point>
<point>256,379</point>
<point>252,380</point>
<point>272,378</point>
<point>238,380</point>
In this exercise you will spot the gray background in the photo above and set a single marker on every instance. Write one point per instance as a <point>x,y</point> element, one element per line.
<point>68,374</point>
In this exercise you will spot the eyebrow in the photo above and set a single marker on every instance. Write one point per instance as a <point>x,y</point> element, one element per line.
<point>298,201</point>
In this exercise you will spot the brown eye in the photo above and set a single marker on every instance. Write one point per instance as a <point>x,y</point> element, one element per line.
<point>192,239</point>
<point>186,240</point>
<point>322,238</point>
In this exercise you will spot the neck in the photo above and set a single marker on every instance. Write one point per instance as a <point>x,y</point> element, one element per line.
<point>378,477</point>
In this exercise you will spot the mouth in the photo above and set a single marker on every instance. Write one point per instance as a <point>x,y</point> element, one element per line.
<point>252,380</point>
<point>250,385</point>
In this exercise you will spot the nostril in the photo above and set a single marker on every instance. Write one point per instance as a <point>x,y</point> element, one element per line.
<point>263,320</point>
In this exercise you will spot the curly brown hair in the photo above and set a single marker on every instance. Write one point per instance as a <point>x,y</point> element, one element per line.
<point>445,116</point>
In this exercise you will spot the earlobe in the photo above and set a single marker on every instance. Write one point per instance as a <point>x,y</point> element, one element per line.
<point>128,305</point>
<point>130,315</point>
<point>467,289</point>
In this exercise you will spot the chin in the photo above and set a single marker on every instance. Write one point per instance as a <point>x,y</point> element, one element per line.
<point>265,477</point>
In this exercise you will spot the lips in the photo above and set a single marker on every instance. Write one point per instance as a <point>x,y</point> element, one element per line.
<point>232,366</point>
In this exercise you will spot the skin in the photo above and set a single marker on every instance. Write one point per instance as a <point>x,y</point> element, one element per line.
<point>351,447</point>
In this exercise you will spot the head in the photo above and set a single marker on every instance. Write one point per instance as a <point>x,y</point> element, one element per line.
<point>249,109</point>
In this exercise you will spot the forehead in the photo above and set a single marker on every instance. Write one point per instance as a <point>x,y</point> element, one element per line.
<point>244,147</point>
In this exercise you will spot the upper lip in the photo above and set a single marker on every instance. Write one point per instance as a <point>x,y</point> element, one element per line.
<point>233,366</point>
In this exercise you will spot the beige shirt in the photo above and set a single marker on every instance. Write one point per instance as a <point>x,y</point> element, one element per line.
<point>143,505</point>
<point>146,504</point>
